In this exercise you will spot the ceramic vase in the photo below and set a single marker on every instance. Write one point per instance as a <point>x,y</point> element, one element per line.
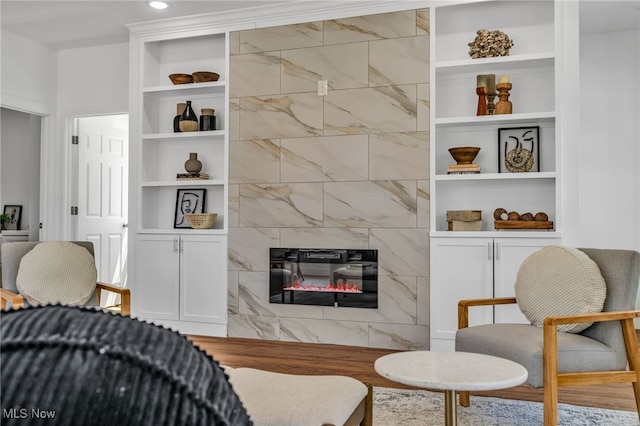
<point>188,119</point>
<point>176,120</point>
<point>193,165</point>
<point>207,119</point>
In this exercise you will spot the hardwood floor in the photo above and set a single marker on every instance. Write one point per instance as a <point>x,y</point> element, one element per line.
<point>357,362</point>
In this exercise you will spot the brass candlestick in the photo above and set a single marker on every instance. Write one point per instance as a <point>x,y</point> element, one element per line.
<point>482,100</point>
<point>503,106</point>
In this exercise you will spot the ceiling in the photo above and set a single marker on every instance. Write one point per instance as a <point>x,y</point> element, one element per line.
<point>73,24</point>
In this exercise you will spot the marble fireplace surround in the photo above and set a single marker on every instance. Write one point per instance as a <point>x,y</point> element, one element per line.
<point>350,169</point>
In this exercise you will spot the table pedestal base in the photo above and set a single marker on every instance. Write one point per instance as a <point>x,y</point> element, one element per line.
<point>450,408</point>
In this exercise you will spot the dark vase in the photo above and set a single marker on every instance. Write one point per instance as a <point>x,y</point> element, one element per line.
<point>188,119</point>
<point>176,120</point>
<point>207,119</point>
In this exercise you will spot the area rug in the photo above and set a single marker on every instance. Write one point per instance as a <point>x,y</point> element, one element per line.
<point>400,407</point>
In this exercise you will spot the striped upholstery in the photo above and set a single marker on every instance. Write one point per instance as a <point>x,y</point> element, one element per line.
<point>57,272</point>
<point>558,280</point>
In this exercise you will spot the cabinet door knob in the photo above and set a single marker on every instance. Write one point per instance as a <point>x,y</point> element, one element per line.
<point>175,245</point>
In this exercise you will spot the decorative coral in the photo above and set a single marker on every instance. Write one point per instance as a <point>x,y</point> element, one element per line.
<point>489,44</point>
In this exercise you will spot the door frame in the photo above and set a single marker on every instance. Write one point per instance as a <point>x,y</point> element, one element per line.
<point>71,186</point>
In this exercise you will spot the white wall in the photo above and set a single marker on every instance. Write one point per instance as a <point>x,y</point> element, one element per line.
<point>92,81</point>
<point>610,140</point>
<point>20,156</point>
<point>29,75</point>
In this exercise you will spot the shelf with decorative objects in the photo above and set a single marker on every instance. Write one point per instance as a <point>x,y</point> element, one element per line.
<point>179,174</point>
<point>478,48</point>
<point>503,109</point>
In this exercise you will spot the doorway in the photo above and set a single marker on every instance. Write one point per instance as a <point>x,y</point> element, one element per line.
<point>100,186</point>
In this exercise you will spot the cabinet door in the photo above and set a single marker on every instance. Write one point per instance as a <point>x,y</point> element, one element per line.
<point>461,268</point>
<point>157,278</point>
<point>509,255</point>
<point>203,283</point>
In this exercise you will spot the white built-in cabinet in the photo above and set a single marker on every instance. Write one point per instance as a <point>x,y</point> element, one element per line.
<point>475,268</point>
<point>182,280</point>
<point>179,275</point>
<point>466,265</point>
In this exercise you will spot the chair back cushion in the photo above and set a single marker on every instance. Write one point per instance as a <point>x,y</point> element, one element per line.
<point>558,280</point>
<point>57,272</point>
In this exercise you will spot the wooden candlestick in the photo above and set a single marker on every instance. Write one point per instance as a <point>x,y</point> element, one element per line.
<point>491,107</point>
<point>482,100</point>
<point>504,105</point>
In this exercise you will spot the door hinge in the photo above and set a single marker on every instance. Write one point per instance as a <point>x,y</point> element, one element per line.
<point>75,140</point>
<point>74,210</point>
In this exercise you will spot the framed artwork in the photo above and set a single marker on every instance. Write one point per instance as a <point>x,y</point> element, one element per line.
<point>519,149</point>
<point>188,201</point>
<point>13,222</point>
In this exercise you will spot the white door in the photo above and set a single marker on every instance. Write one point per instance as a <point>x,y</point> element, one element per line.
<point>102,192</point>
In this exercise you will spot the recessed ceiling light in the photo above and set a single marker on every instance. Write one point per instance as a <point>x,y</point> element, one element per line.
<point>158,4</point>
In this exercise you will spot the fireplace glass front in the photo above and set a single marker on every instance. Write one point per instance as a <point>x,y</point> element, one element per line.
<point>325,277</point>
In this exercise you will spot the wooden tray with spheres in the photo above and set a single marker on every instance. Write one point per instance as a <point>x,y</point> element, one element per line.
<point>523,224</point>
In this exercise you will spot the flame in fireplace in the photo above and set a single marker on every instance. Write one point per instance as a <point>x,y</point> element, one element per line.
<point>340,286</point>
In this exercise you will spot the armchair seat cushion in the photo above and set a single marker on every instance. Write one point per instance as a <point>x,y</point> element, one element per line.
<point>57,272</point>
<point>277,399</point>
<point>575,351</point>
<point>556,281</point>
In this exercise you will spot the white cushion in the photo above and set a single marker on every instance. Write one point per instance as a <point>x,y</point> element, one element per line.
<point>275,399</point>
<point>57,272</point>
<point>558,280</point>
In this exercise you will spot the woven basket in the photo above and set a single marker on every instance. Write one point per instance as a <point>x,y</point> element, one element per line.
<point>201,220</point>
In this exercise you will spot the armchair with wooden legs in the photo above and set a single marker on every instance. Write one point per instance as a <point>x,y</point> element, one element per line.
<point>11,256</point>
<point>604,353</point>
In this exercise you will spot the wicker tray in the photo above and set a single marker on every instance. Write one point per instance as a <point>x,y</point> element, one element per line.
<point>201,220</point>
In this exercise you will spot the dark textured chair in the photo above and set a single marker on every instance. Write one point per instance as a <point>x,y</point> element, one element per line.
<point>91,367</point>
<point>599,354</point>
<point>12,254</point>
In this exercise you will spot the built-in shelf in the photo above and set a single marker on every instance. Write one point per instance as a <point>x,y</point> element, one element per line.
<point>182,231</point>
<point>194,182</point>
<point>474,120</point>
<point>515,62</point>
<point>184,135</point>
<point>496,176</point>
<point>186,89</point>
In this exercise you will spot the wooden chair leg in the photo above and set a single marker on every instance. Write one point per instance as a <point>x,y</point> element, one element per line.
<point>465,401</point>
<point>631,345</point>
<point>368,415</point>
<point>550,383</point>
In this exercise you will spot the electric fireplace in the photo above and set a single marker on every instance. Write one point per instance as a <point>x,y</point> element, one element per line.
<point>325,277</point>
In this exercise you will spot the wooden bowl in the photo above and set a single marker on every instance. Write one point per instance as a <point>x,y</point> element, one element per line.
<point>205,76</point>
<point>464,154</point>
<point>181,78</point>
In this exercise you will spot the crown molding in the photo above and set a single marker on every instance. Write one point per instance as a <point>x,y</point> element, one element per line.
<point>274,14</point>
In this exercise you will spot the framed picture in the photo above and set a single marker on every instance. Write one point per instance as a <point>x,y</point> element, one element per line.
<point>13,222</point>
<point>519,149</point>
<point>188,201</point>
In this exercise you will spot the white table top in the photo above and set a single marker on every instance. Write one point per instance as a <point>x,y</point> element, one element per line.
<point>461,371</point>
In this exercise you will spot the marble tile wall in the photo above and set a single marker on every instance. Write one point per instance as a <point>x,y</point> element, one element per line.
<point>346,170</point>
